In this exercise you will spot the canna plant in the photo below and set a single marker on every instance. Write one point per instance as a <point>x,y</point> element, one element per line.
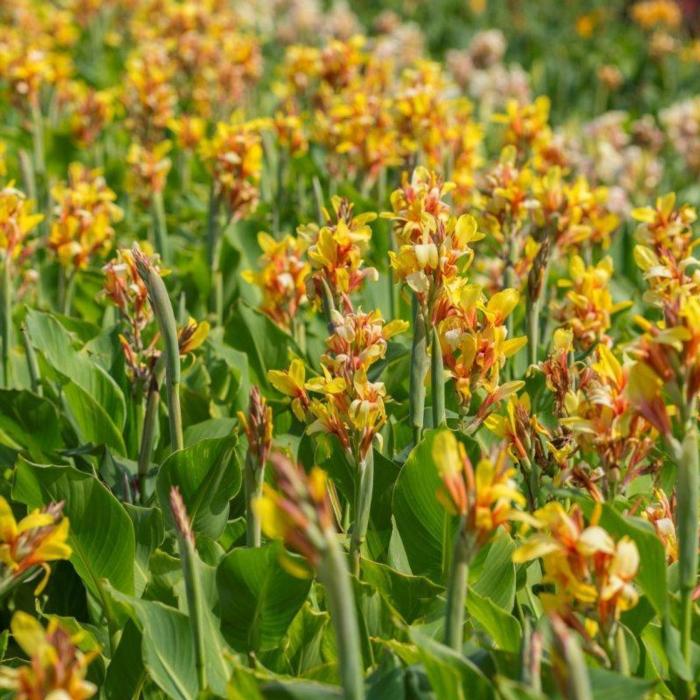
<point>441,438</point>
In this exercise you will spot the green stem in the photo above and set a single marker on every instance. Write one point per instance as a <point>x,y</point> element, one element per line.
<point>621,658</point>
<point>437,377</point>
<point>363,504</point>
<point>254,477</point>
<point>32,363</point>
<point>214,256</point>
<point>457,590</point>
<point>160,227</point>
<point>195,606</point>
<point>148,432</point>
<point>6,321</point>
<point>419,368</point>
<point>163,311</point>
<point>533,329</point>
<point>687,487</point>
<point>333,574</point>
<point>26,167</point>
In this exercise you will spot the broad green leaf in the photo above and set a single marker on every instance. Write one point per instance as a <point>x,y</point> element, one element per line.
<point>208,476</point>
<point>500,625</point>
<point>149,533</point>
<point>125,670</point>
<point>451,674</point>
<point>300,690</point>
<point>608,685</point>
<point>258,599</point>
<point>419,516</point>
<point>266,345</point>
<point>54,342</point>
<point>29,422</point>
<point>492,574</point>
<point>89,419</point>
<point>168,648</point>
<point>101,533</point>
<point>410,596</point>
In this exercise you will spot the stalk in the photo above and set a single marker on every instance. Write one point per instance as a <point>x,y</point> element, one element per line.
<point>363,504</point>
<point>26,168</point>
<point>533,329</point>
<point>6,320</point>
<point>213,256</point>
<point>333,574</point>
<point>419,368</point>
<point>578,684</point>
<point>437,377</point>
<point>254,477</point>
<point>163,311</point>
<point>622,662</point>
<point>32,363</point>
<point>687,487</point>
<point>148,432</point>
<point>193,584</point>
<point>457,590</point>
<point>160,227</point>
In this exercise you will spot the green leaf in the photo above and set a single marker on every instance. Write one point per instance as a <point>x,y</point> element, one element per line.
<point>266,345</point>
<point>451,674</point>
<point>419,516</point>
<point>54,342</point>
<point>168,648</point>
<point>410,596</point>
<point>149,533</point>
<point>101,533</point>
<point>29,422</point>
<point>300,690</point>
<point>89,419</point>
<point>500,625</point>
<point>125,670</point>
<point>493,574</point>
<point>608,685</point>
<point>258,599</point>
<point>209,476</point>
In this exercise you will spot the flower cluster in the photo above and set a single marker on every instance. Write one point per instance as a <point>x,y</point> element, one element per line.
<point>351,406</point>
<point>84,215</point>
<point>234,157</point>
<point>298,511</point>
<point>485,496</point>
<point>335,253</point>
<point>17,221</point>
<point>592,574</point>
<point>281,278</point>
<point>434,245</point>
<point>56,668</point>
<point>37,539</point>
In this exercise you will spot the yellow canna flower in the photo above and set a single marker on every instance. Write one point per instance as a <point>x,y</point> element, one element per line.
<point>56,668</point>
<point>292,384</point>
<point>486,496</point>
<point>16,221</point>
<point>34,541</point>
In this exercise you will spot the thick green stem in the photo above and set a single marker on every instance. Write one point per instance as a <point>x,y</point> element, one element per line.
<point>213,256</point>
<point>148,432</point>
<point>160,227</point>
<point>457,590</point>
<point>163,311</point>
<point>419,368</point>
<point>621,658</point>
<point>363,504</point>
<point>687,487</point>
<point>254,477</point>
<point>6,321</point>
<point>578,683</point>
<point>333,574</point>
<point>195,606</point>
<point>437,377</point>
<point>32,363</point>
<point>533,330</point>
